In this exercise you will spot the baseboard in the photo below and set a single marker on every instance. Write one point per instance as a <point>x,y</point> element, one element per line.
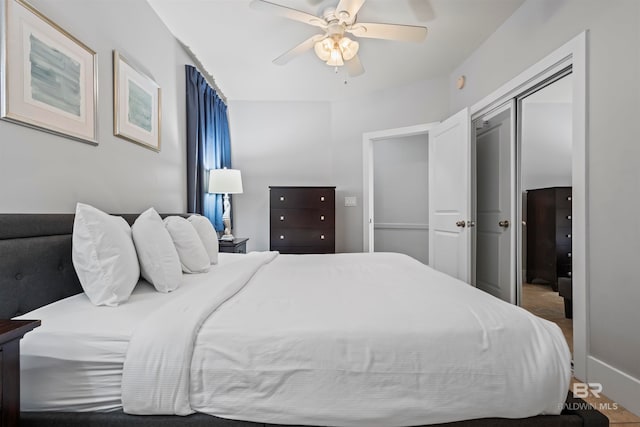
<point>617,385</point>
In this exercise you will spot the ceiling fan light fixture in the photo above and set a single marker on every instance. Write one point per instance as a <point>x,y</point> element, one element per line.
<point>336,58</point>
<point>349,48</point>
<point>323,49</point>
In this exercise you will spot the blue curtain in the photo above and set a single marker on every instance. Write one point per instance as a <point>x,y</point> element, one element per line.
<point>208,145</point>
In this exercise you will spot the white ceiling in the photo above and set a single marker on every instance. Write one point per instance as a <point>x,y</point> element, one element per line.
<point>236,44</point>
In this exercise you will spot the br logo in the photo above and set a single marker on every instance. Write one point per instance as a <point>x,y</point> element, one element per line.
<point>582,390</point>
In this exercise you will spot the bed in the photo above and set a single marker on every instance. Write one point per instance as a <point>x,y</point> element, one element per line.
<point>273,325</point>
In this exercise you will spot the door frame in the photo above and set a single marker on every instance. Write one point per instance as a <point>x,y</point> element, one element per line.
<point>572,54</point>
<point>368,139</point>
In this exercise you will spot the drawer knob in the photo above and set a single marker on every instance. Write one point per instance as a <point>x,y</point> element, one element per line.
<point>321,217</point>
<point>568,236</point>
<point>322,198</point>
<point>282,198</point>
<point>569,273</point>
<point>281,237</point>
<point>569,198</point>
<point>569,217</point>
<point>322,237</point>
<point>569,255</point>
<point>281,217</point>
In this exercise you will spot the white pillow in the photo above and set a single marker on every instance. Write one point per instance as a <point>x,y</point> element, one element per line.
<point>207,234</point>
<point>192,253</point>
<point>104,256</point>
<point>159,262</point>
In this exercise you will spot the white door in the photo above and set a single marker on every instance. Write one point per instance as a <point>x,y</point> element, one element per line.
<point>495,211</point>
<point>450,196</point>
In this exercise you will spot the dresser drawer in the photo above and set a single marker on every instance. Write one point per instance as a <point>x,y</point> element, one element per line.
<point>563,198</point>
<point>563,218</point>
<point>301,237</point>
<point>310,198</point>
<point>302,218</point>
<point>563,236</point>
<point>563,254</point>
<point>299,250</point>
<point>564,270</point>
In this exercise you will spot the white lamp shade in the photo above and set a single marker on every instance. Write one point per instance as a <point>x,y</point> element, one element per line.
<point>349,48</point>
<point>323,49</point>
<point>335,60</point>
<point>223,181</point>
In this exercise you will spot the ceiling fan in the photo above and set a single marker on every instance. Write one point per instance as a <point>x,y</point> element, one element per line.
<point>333,46</point>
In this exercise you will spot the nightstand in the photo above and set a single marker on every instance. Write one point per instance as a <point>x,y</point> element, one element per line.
<point>235,246</point>
<point>11,332</point>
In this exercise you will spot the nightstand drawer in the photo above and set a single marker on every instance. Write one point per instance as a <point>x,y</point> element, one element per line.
<point>302,218</point>
<point>235,246</point>
<point>11,332</point>
<point>1,364</point>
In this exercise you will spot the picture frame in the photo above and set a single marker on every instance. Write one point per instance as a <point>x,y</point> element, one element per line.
<point>136,104</point>
<point>48,78</point>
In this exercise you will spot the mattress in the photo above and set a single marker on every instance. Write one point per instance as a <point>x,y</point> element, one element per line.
<point>74,360</point>
<point>346,339</point>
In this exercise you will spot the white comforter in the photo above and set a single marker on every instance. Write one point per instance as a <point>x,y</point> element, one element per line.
<point>349,339</point>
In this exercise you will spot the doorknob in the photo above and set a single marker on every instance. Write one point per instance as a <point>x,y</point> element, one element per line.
<point>461,224</point>
<point>504,223</point>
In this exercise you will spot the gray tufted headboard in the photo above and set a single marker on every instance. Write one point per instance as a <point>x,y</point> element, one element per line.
<point>35,261</point>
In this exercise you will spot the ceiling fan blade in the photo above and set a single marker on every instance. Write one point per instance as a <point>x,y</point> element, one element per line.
<point>351,7</point>
<point>287,12</point>
<point>354,67</point>
<point>298,50</point>
<point>405,33</point>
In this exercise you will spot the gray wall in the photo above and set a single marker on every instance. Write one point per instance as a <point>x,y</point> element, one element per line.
<point>421,102</point>
<point>276,143</point>
<point>613,176</point>
<point>317,143</point>
<point>401,196</point>
<point>40,172</point>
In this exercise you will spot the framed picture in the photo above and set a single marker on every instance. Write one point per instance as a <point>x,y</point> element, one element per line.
<point>136,104</point>
<point>49,78</point>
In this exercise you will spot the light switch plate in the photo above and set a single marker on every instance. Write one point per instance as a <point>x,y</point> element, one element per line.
<point>350,201</point>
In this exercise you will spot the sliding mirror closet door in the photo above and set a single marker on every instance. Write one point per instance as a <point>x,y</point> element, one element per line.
<point>495,237</point>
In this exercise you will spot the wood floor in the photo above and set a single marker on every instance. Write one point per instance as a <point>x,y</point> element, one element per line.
<point>544,302</point>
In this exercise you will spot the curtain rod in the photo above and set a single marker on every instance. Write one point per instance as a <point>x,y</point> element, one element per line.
<point>208,77</point>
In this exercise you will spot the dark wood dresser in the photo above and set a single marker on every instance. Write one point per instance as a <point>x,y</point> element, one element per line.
<point>302,220</point>
<point>548,235</point>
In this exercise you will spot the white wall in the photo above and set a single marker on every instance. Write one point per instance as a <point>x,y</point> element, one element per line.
<point>421,102</point>
<point>546,145</point>
<point>613,176</point>
<point>276,143</point>
<point>401,196</point>
<point>40,172</point>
